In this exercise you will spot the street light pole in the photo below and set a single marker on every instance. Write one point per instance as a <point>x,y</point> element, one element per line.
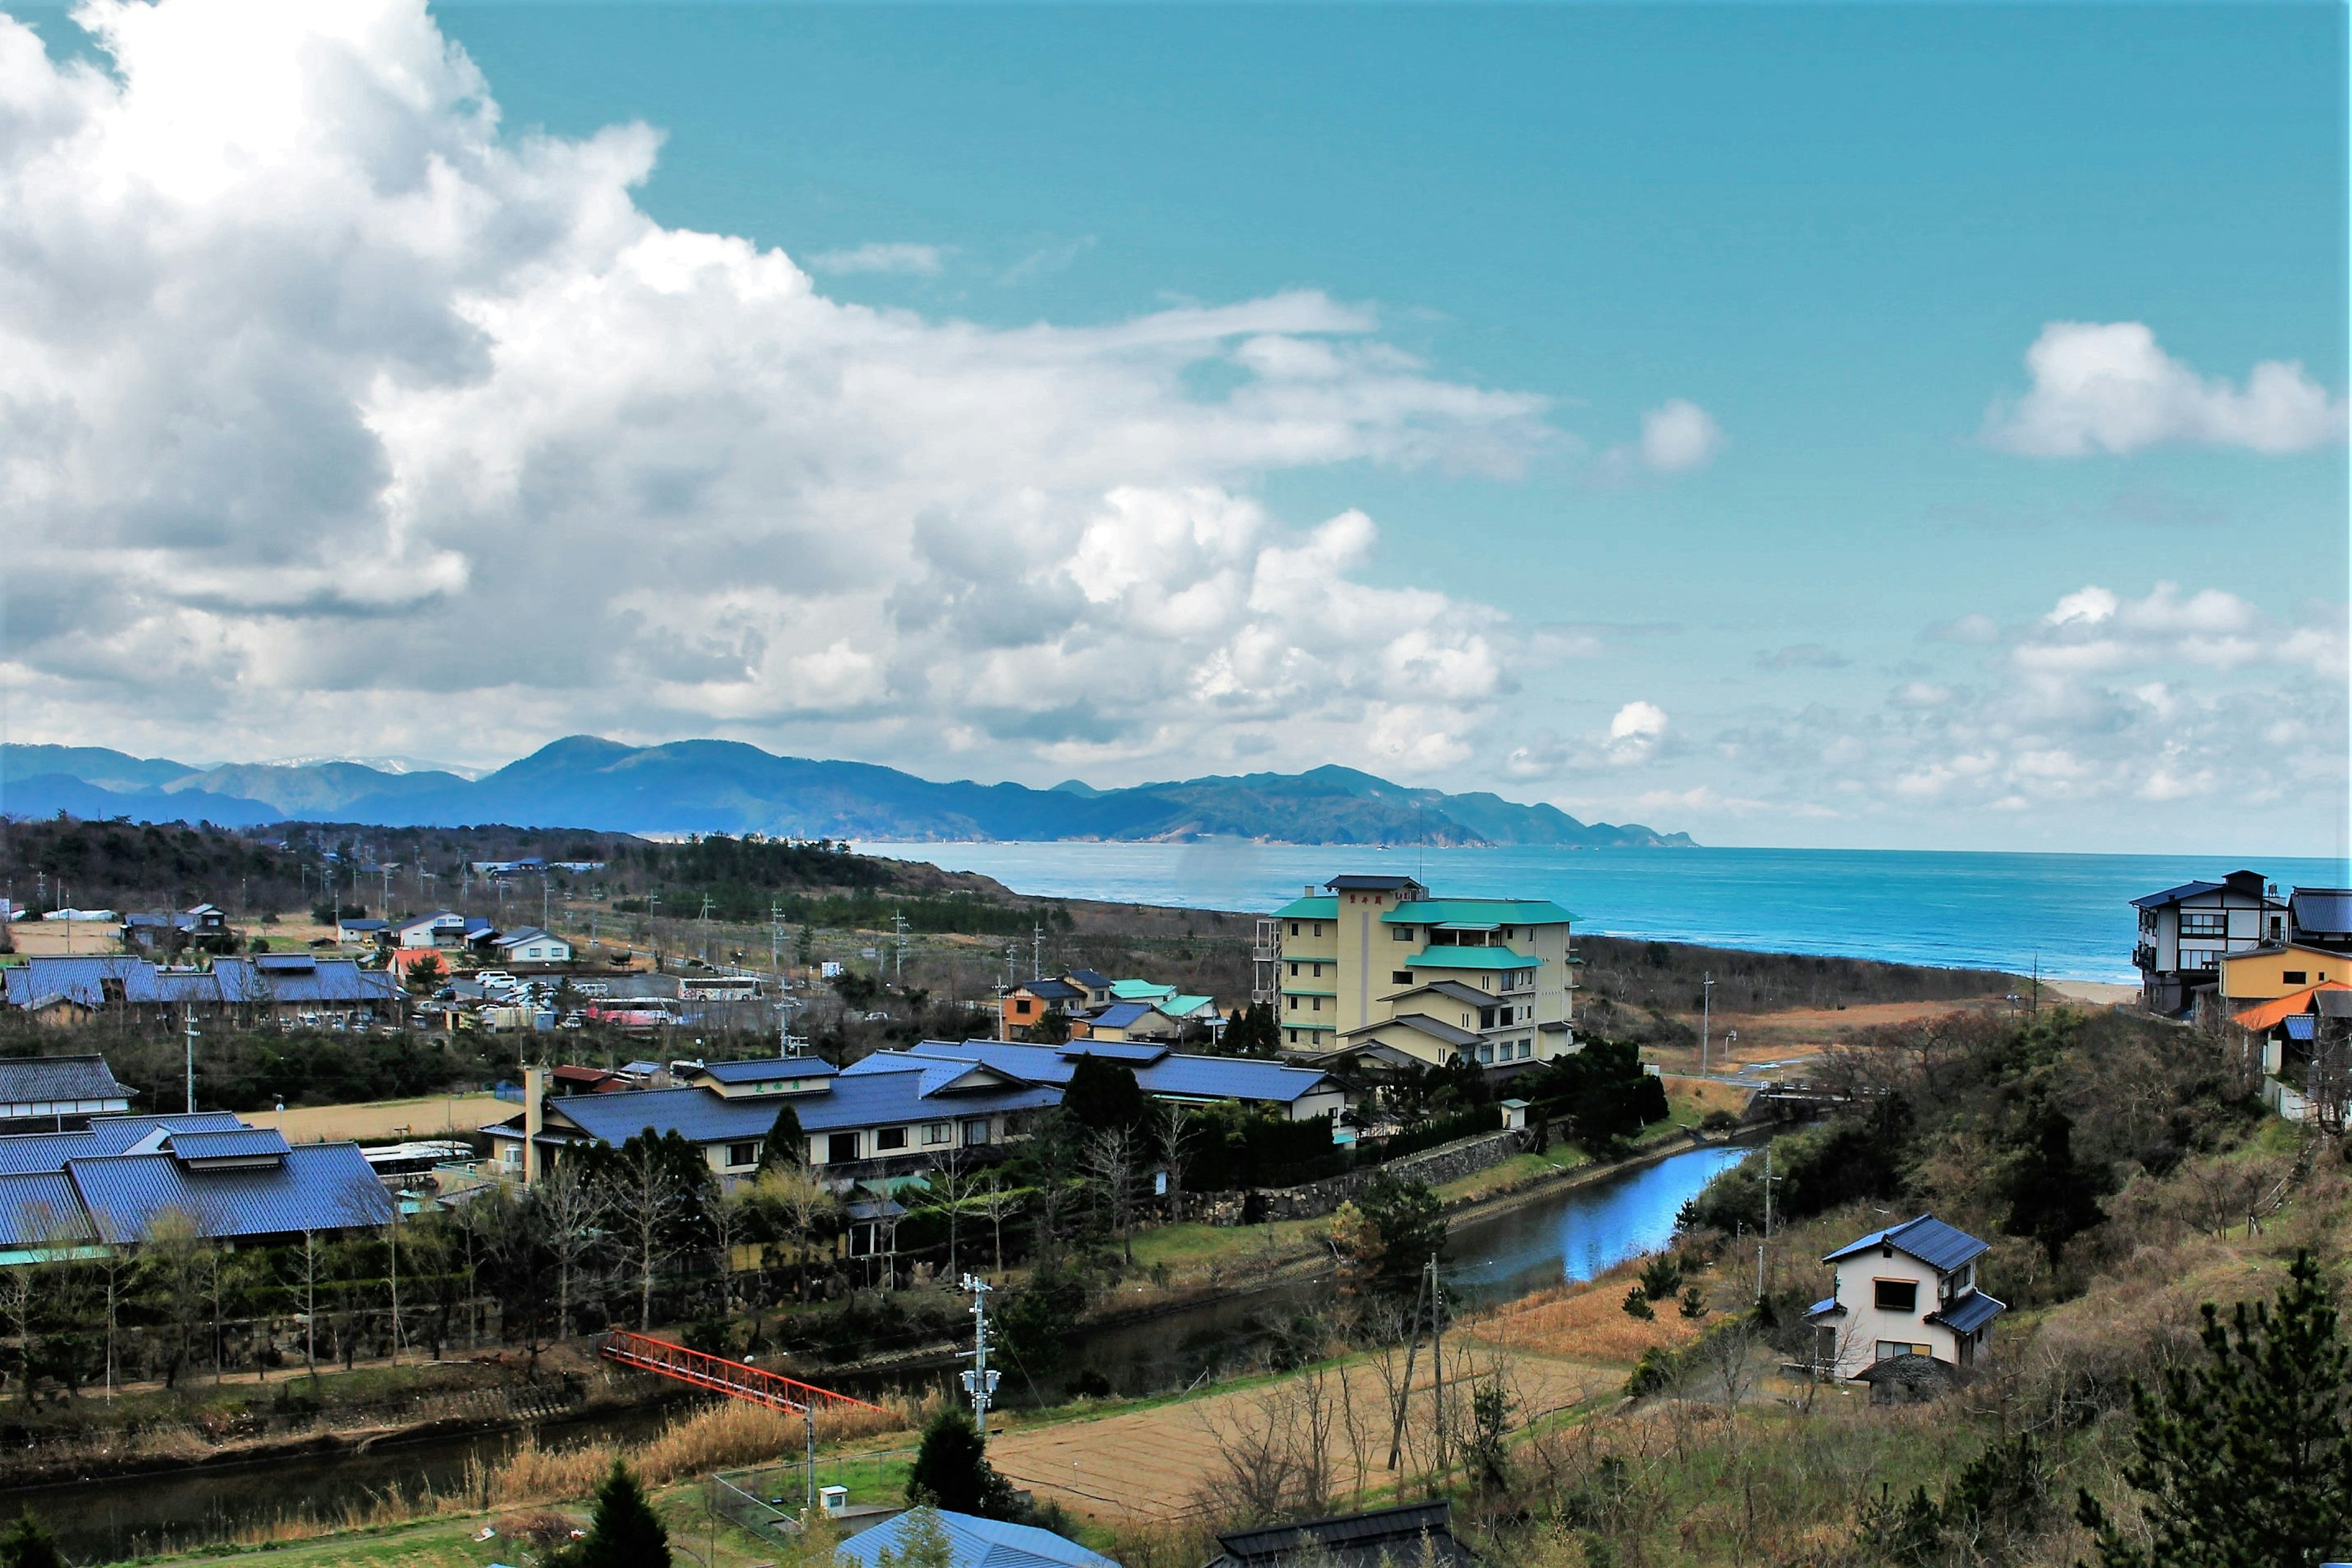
<point>1706,1018</point>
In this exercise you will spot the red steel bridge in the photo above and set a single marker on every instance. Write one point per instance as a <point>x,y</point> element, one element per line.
<point>734,1378</point>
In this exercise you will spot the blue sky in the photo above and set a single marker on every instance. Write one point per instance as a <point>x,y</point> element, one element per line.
<point>1838,614</point>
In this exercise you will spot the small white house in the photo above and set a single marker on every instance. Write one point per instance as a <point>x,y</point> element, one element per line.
<point>439,929</point>
<point>1909,1289</point>
<point>532,945</point>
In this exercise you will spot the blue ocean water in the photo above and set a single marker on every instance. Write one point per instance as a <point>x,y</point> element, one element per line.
<point>2001,911</point>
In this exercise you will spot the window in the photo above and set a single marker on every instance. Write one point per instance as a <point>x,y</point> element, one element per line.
<point>2204,922</point>
<point>1294,972</point>
<point>1485,1053</point>
<point>1318,928</point>
<point>840,1148</point>
<point>1895,1295</point>
<point>1294,928</point>
<point>1319,1003</point>
<point>1294,1037</point>
<point>1400,976</point>
<point>1402,933</point>
<point>2292,976</point>
<point>1294,1003</point>
<point>1889,1349</point>
<point>1318,971</point>
<point>1486,1017</point>
<point>975,1133</point>
<point>935,1132</point>
<point>1022,1007</point>
<point>2278,927</point>
<point>889,1138</point>
<point>739,1154</point>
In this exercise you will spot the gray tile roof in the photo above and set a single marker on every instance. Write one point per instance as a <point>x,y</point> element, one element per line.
<point>229,1143</point>
<point>1941,1246</point>
<point>1178,1074</point>
<point>762,1069</point>
<point>49,1080</point>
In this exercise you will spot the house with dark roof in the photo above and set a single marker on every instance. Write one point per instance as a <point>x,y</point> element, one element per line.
<point>2321,918</point>
<point>1409,1535</point>
<point>886,1122</point>
<point>1907,1290</point>
<point>2186,931</point>
<point>1299,1093</point>
<point>295,987</point>
<point>203,926</point>
<point>1124,1021</point>
<point>124,1179</point>
<point>1024,1007</point>
<point>58,1090</point>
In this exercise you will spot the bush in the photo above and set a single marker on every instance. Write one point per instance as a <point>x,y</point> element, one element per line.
<point>951,1472</point>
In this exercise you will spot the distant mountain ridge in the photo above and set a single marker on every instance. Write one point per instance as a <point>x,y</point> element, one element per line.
<point>726,786</point>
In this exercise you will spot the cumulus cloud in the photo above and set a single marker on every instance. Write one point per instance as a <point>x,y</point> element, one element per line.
<point>1679,434</point>
<point>919,260</point>
<point>2108,388</point>
<point>1635,732</point>
<point>336,414</point>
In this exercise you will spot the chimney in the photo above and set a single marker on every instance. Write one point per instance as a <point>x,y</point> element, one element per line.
<point>534,1117</point>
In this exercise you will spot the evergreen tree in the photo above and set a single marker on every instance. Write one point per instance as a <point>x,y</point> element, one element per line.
<point>2245,1460</point>
<point>951,1470</point>
<point>625,1532</point>
<point>786,1143</point>
<point>27,1543</point>
<point>2052,1197</point>
<point>1102,1095</point>
<point>1410,1221</point>
<point>923,1543</point>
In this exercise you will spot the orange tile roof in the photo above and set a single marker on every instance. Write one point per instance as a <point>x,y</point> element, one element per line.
<point>2271,1013</point>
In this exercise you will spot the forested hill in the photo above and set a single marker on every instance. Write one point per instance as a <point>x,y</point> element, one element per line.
<point>724,786</point>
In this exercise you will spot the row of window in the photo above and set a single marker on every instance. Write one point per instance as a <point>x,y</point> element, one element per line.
<point>1316,1000</point>
<point>1508,1051</point>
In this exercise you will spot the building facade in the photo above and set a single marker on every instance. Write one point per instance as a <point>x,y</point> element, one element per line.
<point>1907,1290</point>
<point>2186,931</point>
<point>1378,966</point>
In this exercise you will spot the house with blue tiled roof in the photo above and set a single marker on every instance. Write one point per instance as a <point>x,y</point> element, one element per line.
<point>1907,1290</point>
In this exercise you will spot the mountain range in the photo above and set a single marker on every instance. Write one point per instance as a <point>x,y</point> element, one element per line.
<point>726,787</point>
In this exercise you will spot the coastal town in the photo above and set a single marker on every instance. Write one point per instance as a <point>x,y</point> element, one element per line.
<point>618,1163</point>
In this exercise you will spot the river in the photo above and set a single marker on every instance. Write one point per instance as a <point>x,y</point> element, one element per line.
<point>1571,1233</point>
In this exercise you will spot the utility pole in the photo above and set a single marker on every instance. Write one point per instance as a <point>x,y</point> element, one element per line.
<point>387,891</point>
<point>1706,1018</point>
<point>898,939</point>
<point>776,941</point>
<point>191,1059</point>
<point>978,1383</point>
<point>1036,951</point>
<point>546,900</point>
<point>1437,1358</point>
<point>705,919</point>
<point>2035,1007</point>
<point>1767,1235</point>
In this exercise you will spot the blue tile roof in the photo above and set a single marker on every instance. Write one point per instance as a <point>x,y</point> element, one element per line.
<point>229,1143</point>
<point>875,1096</point>
<point>41,1207</point>
<point>1134,1053</point>
<point>764,1069</point>
<point>25,1152</point>
<point>2302,1026</point>
<point>1969,1314</point>
<point>298,978</point>
<point>1941,1246</point>
<point>1176,1074</point>
<point>1119,1014</point>
<point>1827,1307</point>
<point>1093,978</point>
<point>973,1542</point>
<point>42,1080</point>
<point>321,1186</point>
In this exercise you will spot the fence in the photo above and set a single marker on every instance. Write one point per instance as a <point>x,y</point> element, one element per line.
<point>767,1500</point>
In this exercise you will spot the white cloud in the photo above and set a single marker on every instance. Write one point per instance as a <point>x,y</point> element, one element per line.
<point>918,260</point>
<point>1635,731</point>
<point>1677,436</point>
<point>2108,388</point>
<point>328,416</point>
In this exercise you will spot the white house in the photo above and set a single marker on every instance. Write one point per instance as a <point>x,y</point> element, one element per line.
<point>532,945</point>
<point>439,929</point>
<point>2186,931</point>
<point>1909,1289</point>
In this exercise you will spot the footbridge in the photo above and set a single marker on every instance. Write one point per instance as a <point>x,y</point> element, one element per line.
<point>736,1379</point>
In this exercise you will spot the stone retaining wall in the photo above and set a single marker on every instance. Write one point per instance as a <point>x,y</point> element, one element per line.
<point>1446,1163</point>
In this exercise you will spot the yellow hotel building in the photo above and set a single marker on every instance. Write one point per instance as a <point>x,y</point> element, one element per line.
<point>1375,966</point>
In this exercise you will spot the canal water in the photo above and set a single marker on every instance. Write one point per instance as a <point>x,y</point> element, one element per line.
<point>1573,1234</point>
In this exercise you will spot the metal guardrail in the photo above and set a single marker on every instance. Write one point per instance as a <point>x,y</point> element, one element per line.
<point>701,1368</point>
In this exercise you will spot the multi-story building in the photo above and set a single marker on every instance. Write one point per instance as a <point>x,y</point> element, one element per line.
<point>1377,966</point>
<point>2186,931</point>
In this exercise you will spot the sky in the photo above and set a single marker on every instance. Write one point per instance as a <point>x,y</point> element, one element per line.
<point>1908,425</point>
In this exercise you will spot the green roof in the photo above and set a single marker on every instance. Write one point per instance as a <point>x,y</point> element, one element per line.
<point>1325,908</point>
<point>1182,1006</point>
<point>1479,913</point>
<point>1470,958</point>
<point>1140,991</point>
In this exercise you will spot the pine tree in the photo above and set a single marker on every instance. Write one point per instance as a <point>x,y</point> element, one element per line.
<point>2245,1461</point>
<point>786,1144</point>
<point>2052,1197</point>
<point>951,1470</point>
<point>625,1532</point>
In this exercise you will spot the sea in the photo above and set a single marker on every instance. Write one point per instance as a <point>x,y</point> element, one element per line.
<point>2069,915</point>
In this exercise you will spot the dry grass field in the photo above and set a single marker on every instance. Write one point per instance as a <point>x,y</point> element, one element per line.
<point>1585,1324</point>
<point>1159,1462</point>
<point>436,1115</point>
